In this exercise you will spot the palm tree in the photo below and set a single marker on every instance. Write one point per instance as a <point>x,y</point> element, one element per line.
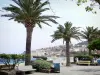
<point>66,32</point>
<point>29,13</point>
<point>89,34</point>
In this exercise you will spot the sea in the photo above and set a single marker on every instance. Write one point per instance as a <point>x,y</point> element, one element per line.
<point>60,59</point>
<point>11,61</point>
<point>54,59</point>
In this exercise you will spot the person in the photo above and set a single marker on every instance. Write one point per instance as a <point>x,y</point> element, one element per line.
<point>76,60</point>
<point>94,60</point>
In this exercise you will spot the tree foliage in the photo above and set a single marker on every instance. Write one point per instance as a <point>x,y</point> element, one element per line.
<point>90,33</point>
<point>29,11</point>
<point>66,32</point>
<point>11,59</point>
<point>92,5</point>
<point>95,44</point>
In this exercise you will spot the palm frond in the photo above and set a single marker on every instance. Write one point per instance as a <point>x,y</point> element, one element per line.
<point>45,23</point>
<point>53,21</point>
<point>56,36</point>
<point>61,29</point>
<point>43,4</point>
<point>66,32</point>
<point>89,33</point>
<point>53,40</point>
<point>17,2</point>
<point>39,25</point>
<point>30,11</point>
<point>48,17</point>
<point>9,15</point>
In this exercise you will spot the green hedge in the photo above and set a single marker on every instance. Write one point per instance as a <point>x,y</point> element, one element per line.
<point>40,65</point>
<point>40,57</point>
<point>96,55</point>
<point>84,57</point>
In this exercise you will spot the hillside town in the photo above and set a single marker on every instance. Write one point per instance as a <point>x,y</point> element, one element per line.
<point>60,50</point>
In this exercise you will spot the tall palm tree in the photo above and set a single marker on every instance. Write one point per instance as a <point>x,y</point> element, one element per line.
<point>89,34</point>
<point>66,32</point>
<point>29,13</point>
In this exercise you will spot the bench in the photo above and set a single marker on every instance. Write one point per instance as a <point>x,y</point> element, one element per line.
<point>25,69</point>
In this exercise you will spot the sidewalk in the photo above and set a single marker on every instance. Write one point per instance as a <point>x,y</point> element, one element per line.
<point>75,70</point>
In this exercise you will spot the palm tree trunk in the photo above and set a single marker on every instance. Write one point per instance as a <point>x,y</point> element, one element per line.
<point>29,31</point>
<point>89,52</point>
<point>67,54</point>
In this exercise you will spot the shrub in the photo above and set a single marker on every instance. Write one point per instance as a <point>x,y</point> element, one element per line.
<point>95,44</point>
<point>40,65</point>
<point>10,60</point>
<point>96,55</point>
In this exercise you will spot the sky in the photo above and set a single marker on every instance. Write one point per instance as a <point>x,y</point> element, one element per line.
<point>13,34</point>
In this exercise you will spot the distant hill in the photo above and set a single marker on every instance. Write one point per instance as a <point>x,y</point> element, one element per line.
<point>81,43</point>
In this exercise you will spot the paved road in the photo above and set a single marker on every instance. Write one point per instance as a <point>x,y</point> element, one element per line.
<point>75,70</point>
